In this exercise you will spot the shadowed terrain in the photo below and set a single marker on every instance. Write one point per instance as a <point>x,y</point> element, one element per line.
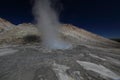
<point>118,40</point>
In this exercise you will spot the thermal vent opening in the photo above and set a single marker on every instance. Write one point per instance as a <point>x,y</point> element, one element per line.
<point>31,38</point>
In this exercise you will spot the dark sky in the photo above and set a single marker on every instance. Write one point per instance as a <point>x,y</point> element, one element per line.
<point>98,16</point>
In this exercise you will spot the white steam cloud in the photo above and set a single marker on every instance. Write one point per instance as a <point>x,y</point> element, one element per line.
<point>48,23</point>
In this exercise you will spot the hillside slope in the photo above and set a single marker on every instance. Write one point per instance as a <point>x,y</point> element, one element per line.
<point>16,34</point>
<point>22,57</point>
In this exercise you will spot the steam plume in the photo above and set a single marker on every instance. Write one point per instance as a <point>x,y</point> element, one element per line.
<point>48,24</point>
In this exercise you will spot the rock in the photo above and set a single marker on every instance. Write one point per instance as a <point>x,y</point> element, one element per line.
<point>92,57</point>
<point>5,25</point>
<point>17,34</point>
<point>68,32</point>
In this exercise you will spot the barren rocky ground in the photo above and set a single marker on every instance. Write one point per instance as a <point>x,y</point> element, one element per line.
<point>22,57</point>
